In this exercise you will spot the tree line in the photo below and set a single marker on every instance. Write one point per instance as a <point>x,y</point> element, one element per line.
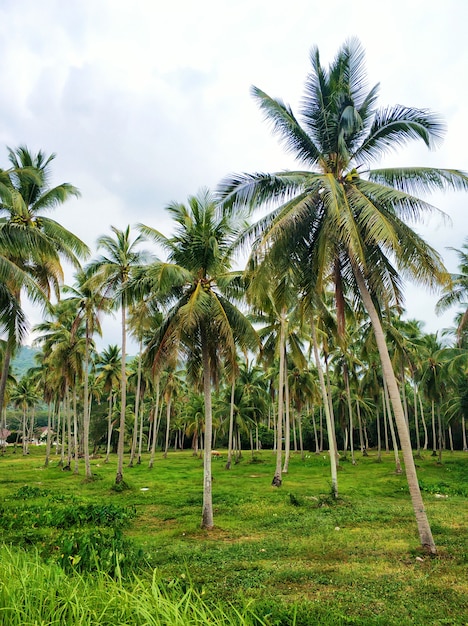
<point>308,334</point>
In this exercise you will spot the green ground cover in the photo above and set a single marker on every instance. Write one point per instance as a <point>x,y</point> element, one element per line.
<point>290,554</point>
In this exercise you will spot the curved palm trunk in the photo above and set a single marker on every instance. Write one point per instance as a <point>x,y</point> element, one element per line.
<point>465,447</point>
<point>207,512</point>
<point>326,406</point>
<point>424,528</point>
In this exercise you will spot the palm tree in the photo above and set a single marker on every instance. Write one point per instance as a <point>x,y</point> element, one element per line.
<point>112,273</point>
<point>64,351</point>
<point>202,322</point>
<point>109,368</point>
<point>88,304</point>
<point>25,396</point>
<point>457,291</point>
<point>31,240</point>
<point>341,219</point>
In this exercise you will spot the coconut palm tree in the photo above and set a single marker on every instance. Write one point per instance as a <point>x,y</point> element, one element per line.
<point>31,240</point>
<point>88,303</point>
<point>457,291</point>
<point>112,273</point>
<point>346,220</point>
<point>109,371</point>
<point>64,351</point>
<point>202,323</point>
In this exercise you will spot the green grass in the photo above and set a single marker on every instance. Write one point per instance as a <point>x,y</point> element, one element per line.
<point>295,555</point>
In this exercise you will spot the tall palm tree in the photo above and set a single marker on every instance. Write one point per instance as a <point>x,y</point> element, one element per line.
<point>112,273</point>
<point>64,351</point>
<point>343,219</point>
<point>202,322</point>
<point>31,240</point>
<point>88,303</point>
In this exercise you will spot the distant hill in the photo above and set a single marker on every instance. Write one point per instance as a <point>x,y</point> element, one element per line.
<point>23,360</point>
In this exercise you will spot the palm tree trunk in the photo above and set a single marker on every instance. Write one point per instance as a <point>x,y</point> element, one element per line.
<point>64,431</point>
<point>392,430</point>
<point>426,438</point>
<point>137,402</point>
<point>49,427</point>
<point>362,431</point>
<point>301,443</point>
<point>25,438</point>
<point>317,445</point>
<point>5,369</point>
<point>330,406</point>
<point>465,447</point>
<point>140,436</point>
<point>155,426</point>
<point>434,435</point>
<point>416,423</point>
<point>326,406</point>
<point>123,398</point>
<point>69,429</point>
<point>207,512</point>
<point>86,414</point>
<point>168,426</point>
<point>277,480</point>
<point>379,438</point>
<point>422,521</point>
<point>109,426</point>
<point>439,423</point>
<point>350,412</point>
<point>75,432</point>
<point>287,430</point>
<point>231,425</point>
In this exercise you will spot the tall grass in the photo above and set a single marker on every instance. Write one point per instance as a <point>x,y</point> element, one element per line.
<point>35,593</point>
<point>288,556</point>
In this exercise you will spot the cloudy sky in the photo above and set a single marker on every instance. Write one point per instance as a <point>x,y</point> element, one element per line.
<point>146,102</point>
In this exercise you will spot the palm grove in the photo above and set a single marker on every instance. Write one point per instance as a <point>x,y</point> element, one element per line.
<point>304,348</point>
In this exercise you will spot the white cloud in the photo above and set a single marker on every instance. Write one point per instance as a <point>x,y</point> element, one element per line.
<point>145,103</point>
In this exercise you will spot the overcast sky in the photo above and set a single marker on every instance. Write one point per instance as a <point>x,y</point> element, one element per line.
<point>146,102</point>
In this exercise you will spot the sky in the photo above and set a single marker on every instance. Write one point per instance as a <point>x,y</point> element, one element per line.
<point>145,103</point>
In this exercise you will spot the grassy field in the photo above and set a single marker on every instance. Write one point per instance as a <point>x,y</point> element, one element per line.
<point>292,553</point>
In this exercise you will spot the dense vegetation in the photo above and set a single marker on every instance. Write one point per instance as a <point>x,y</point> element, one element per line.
<point>134,555</point>
<point>305,351</point>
